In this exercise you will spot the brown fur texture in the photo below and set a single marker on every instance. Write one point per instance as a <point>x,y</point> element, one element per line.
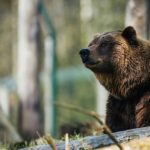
<point>121,62</point>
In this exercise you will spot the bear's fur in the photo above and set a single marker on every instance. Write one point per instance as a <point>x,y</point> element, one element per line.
<point>120,61</point>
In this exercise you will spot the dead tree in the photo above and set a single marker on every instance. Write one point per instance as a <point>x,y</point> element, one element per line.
<point>27,71</point>
<point>136,16</point>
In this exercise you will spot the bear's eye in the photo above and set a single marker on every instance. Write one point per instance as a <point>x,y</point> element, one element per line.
<point>103,44</point>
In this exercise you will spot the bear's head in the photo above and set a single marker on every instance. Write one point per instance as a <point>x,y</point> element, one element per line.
<point>118,60</point>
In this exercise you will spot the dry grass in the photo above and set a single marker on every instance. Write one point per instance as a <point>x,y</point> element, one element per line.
<point>138,144</point>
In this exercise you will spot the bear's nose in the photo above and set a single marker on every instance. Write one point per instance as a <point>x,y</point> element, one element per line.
<point>84,53</point>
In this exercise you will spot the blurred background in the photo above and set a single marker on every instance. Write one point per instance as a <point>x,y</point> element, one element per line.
<point>40,64</point>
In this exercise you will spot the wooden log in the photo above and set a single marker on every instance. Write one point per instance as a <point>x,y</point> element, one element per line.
<point>92,142</point>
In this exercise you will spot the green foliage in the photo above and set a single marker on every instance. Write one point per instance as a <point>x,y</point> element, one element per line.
<point>5,42</point>
<point>109,15</point>
<point>78,93</point>
<point>73,33</point>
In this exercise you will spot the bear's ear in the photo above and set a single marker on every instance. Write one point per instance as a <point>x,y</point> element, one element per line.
<point>129,34</point>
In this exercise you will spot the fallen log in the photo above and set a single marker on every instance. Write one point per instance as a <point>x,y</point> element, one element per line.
<point>93,142</point>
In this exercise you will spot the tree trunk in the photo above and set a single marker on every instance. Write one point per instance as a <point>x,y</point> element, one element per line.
<point>27,73</point>
<point>136,16</point>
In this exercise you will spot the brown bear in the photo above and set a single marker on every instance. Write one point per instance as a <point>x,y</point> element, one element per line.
<point>120,61</point>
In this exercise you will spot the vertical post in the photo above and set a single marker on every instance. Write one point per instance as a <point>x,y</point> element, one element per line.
<point>51,44</point>
<point>54,84</point>
<point>48,115</point>
<point>48,84</point>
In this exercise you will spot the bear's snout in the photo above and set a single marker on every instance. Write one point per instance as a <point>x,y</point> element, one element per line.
<point>84,54</point>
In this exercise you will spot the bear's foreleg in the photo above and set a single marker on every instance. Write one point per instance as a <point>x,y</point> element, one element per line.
<point>142,112</point>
